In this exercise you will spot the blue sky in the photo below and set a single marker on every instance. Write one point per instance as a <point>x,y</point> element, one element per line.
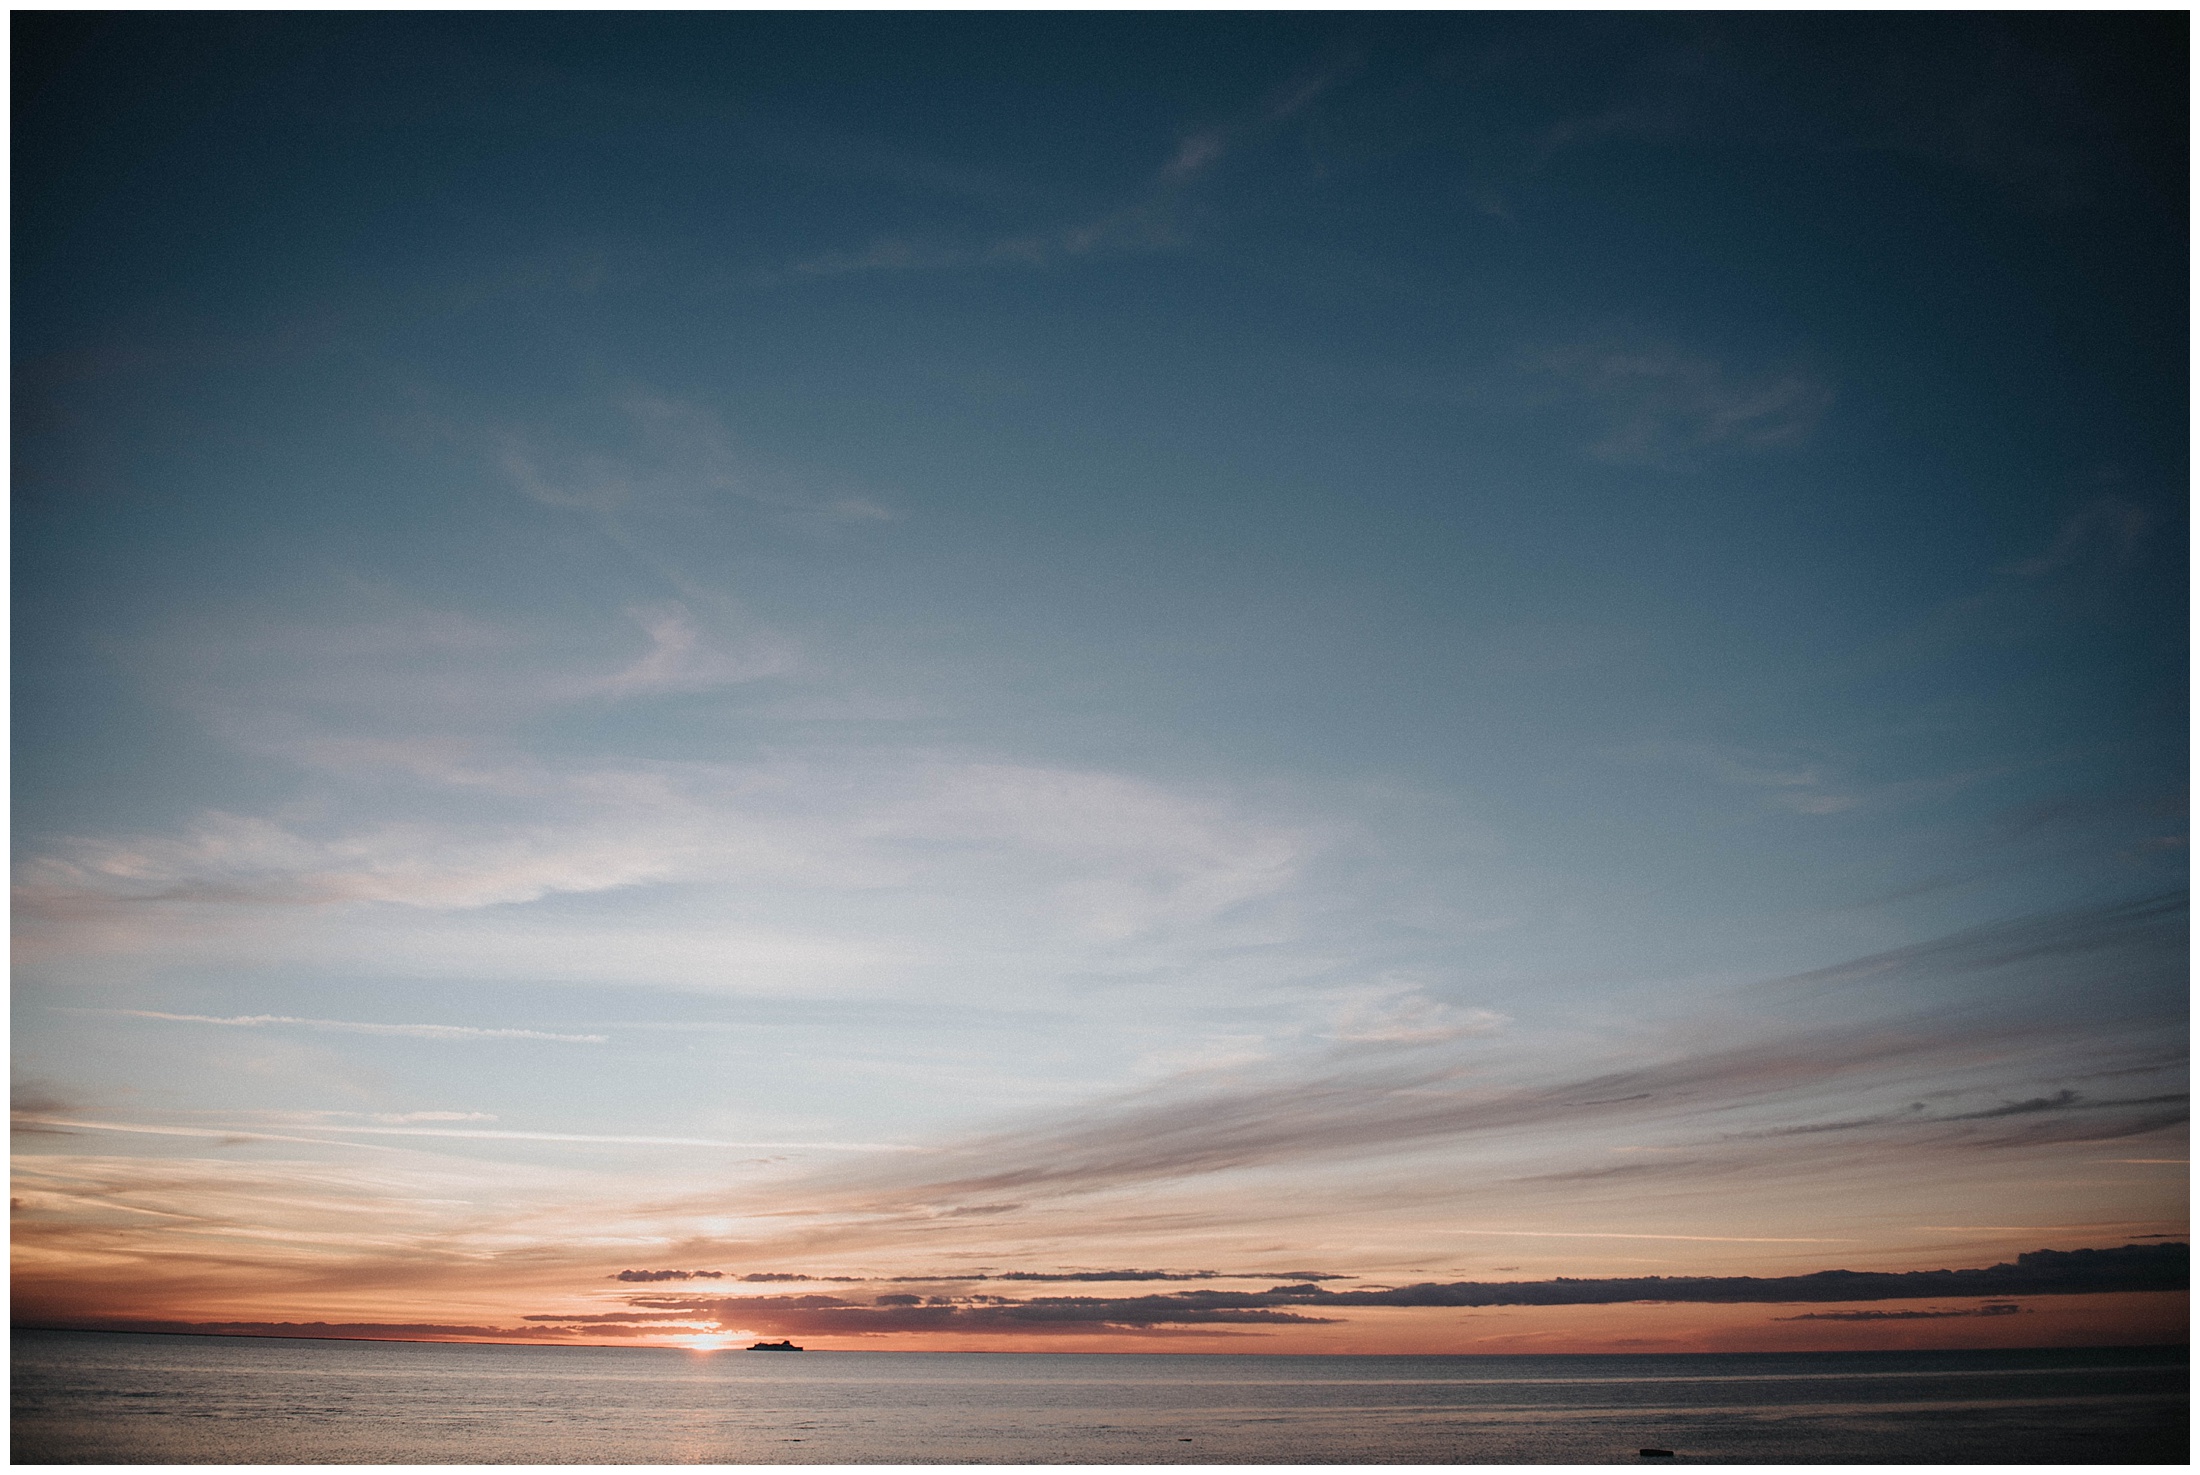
<point>915,589</point>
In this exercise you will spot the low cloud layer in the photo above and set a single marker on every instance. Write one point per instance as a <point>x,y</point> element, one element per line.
<point>2129,1268</point>
<point>1049,1276</point>
<point>2158,1267</point>
<point>1999,1308</point>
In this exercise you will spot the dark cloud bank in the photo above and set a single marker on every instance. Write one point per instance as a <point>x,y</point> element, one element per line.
<point>1997,1308</point>
<point>2161,1267</point>
<point>2155,1267</point>
<point>1047,1276</point>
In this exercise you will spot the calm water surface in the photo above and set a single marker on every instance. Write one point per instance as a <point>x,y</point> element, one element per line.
<point>110,1398</point>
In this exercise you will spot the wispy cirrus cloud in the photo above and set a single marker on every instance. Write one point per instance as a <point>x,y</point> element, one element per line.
<point>360,1027</point>
<point>338,1130</point>
<point>2106,532</point>
<point>1813,778</point>
<point>1658,405</point>
<point>1624,399</point>
<point>231,860</point>
<point>1798,782</point>
<point>1301,1119</point>
<point>1718,1239</point>
<point>2132,951</point>
<point>1978,100</point>
<point>1956,1072</point>
<point>406,734</point>
<point>373,674</point>
<point>1090,862</point>
<point>48,1122</point>
<point>681,658</point>
<point>617,1139</point>
<point>1403,1014</point>
<point>674,454</point>
<point>1157,216</point>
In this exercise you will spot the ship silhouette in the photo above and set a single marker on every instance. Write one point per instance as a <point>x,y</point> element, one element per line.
<point>773,1347</point>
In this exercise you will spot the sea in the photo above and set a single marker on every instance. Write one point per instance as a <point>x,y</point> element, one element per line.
<point>125,1398</point>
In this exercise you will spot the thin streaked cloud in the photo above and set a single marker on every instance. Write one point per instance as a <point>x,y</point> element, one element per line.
<point>38,1121</point>
<point>1159,216</point>
<point>1727,1239</point>
<point>258,1134</point>
<point>1661,406</point>
<point>505,1136</point>
<point>359,1027</point>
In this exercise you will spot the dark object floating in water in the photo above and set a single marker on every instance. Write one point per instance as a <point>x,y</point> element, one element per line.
<point>1660,1453</point>
<point>773,1347</point>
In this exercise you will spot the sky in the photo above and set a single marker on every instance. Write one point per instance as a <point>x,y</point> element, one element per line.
<point>1104,682</point>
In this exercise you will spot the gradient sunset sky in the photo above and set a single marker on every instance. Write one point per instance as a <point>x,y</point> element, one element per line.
<point>1100,682</point>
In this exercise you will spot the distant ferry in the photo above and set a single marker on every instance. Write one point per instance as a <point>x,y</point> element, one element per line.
<point>773,1347</point>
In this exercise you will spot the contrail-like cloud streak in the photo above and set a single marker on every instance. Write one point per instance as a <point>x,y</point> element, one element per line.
<point>1994,998</point>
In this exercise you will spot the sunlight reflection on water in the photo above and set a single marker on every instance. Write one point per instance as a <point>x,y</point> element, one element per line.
<point>116,1398</point>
